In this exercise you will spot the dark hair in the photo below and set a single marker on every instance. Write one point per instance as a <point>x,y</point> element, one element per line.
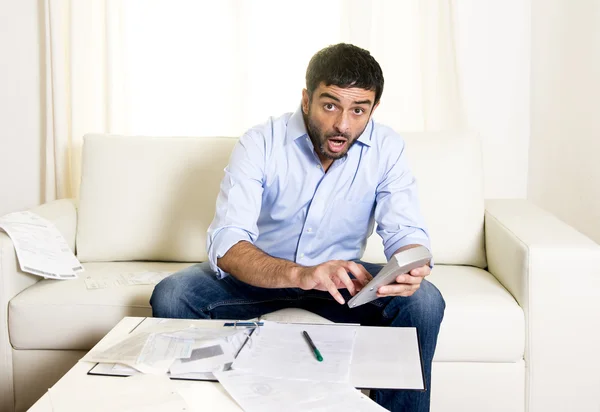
<point>344,65</point>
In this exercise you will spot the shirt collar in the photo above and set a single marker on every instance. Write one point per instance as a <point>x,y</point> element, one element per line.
<point>296,128</point>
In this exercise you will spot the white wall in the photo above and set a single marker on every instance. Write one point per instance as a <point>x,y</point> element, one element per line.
<point>493,49</point>
<point>20,121</point>
<point>564,169</point>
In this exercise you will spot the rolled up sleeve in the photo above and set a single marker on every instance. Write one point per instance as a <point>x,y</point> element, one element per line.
<point>397,211</point>
<point>239,200</point>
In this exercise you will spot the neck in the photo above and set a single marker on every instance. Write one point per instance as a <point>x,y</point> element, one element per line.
<point>325,162</point>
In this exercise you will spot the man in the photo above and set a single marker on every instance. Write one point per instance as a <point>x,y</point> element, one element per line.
<point>299,198</point>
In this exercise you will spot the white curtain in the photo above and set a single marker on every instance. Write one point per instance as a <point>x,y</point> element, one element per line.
<point>85,90</point>
<point>200,68</point>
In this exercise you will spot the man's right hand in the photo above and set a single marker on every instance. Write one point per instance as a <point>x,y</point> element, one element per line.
<point>333,275</point>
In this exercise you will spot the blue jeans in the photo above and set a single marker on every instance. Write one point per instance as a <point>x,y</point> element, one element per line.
<point>196,293</point>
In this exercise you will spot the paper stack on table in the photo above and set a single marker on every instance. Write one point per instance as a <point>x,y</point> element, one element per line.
<point>256,393</point>
<point>279,350</point>
<point>264,368</point>
<point>279,370</point>
<point>171,348</point>
<point>41,249</point>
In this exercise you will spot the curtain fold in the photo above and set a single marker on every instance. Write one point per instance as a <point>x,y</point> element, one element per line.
<point>159,67</point>
<point>85,85</point>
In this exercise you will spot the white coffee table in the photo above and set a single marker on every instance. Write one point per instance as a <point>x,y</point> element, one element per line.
<point>210,396</point>
<point>370,367</point>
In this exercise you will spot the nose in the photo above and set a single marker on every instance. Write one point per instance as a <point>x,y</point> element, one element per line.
<point>342,123</point>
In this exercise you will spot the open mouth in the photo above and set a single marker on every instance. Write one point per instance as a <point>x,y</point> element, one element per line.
<point>336,144</point>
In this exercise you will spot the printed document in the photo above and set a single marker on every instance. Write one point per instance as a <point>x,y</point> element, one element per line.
<point>125,279</point>
<point>279,350</point>
<point>256,393</point>
<point>41,249</point>
<point>210,352</point>
<point>115,369</point>
<point>162,348</point>
<point>126,352</point>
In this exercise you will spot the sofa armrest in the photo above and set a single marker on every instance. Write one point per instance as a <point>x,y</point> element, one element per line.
<point>553,272</point>
<point>63,213</point>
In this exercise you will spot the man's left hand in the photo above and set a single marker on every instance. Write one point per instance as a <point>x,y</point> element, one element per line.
<point>406,284</point>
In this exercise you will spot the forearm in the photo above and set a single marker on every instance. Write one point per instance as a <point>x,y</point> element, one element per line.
<point>251,265</point>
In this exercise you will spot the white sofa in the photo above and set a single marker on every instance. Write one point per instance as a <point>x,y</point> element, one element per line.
<point>522,325</point>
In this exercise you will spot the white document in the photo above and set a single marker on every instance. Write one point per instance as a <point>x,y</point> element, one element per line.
<point>213,349</point>
<point>125,279</point>
<point>146,352</point>
<point>115,369</point>
<point>281,351</point>
<point>40,247</point>
<point>160,351</point>
<point>144,278</point>
<point>209,357</point>
<point>387,358</point>
<point>155,349</point>
<point>148,393</point>
<point>256,393</point>
<point>125,352</point>
<point>102,282</point>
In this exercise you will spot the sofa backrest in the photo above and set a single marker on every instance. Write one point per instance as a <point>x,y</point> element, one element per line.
<point>153,198</point>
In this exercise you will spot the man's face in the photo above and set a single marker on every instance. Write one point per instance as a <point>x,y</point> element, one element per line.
<point>335,117</point>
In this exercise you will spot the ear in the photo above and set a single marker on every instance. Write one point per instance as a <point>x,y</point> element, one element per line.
<point>373,110</point>
<point>305,101</point>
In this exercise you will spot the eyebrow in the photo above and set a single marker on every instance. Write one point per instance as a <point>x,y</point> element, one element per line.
<point>325,94</point>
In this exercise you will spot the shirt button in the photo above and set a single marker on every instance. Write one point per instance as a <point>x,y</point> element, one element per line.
<point>301,255</point>
<point>318,166</point>
<point>309,229</point>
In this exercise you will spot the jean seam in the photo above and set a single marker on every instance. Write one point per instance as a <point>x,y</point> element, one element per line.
<point>375,303</point>
<point>242,302</point>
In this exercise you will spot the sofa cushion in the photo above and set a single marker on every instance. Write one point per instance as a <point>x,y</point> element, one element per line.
<point>482,321</point>
<point>449,172</point>
<point>66,315</point>
<point>153,198</point>
<point>148,198</point>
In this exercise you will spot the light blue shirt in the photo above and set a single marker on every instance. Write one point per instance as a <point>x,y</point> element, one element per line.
<point>276,195</point>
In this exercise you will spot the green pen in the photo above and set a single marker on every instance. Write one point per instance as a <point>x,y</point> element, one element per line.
<point>312,346</point>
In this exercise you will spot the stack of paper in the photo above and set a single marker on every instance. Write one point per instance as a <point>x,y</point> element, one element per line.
<point>264,369</point>
<point>279,370</point>
<point>169,348</point>
<point>279,350</point>
<point>256,393</point>
<point>41,249</point>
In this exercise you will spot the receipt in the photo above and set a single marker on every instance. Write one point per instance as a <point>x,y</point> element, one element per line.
<point>41,249</point>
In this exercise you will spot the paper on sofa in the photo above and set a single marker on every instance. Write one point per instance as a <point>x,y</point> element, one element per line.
<point>41,248</point>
